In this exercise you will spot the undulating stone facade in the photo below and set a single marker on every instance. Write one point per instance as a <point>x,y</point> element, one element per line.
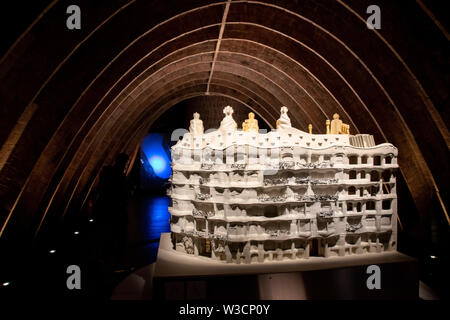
<point>245,196</point>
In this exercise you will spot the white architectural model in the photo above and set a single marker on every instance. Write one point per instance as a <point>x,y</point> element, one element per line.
<point>243,196</point>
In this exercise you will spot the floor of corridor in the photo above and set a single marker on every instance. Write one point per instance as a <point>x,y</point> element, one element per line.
<point>41,272</point>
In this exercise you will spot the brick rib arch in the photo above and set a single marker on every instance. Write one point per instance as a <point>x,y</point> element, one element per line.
<point>102,89</point>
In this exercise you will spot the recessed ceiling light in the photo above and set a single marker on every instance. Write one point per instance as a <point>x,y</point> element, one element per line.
<point>433,257</point>
<point>91,220</point>
<point>5,284</point>
<point>76,232</point>
<point>52,251</point>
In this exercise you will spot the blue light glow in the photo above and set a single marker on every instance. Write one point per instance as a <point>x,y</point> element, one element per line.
<point>152,146</point>
<point>158,164</point>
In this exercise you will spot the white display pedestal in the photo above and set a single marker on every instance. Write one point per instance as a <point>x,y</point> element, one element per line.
<point>181,276</point>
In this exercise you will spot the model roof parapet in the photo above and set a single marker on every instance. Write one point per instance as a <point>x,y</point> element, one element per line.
<point>284,136</point>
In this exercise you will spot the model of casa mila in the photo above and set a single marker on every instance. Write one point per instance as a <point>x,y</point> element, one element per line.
<point>241,196</point>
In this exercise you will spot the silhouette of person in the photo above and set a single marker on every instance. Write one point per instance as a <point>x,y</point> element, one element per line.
<point>112,217</point>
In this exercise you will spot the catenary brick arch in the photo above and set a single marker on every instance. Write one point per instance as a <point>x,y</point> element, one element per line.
<point>70,105</point>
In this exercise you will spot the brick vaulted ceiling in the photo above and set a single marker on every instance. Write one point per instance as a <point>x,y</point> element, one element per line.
<point>71,100</point>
